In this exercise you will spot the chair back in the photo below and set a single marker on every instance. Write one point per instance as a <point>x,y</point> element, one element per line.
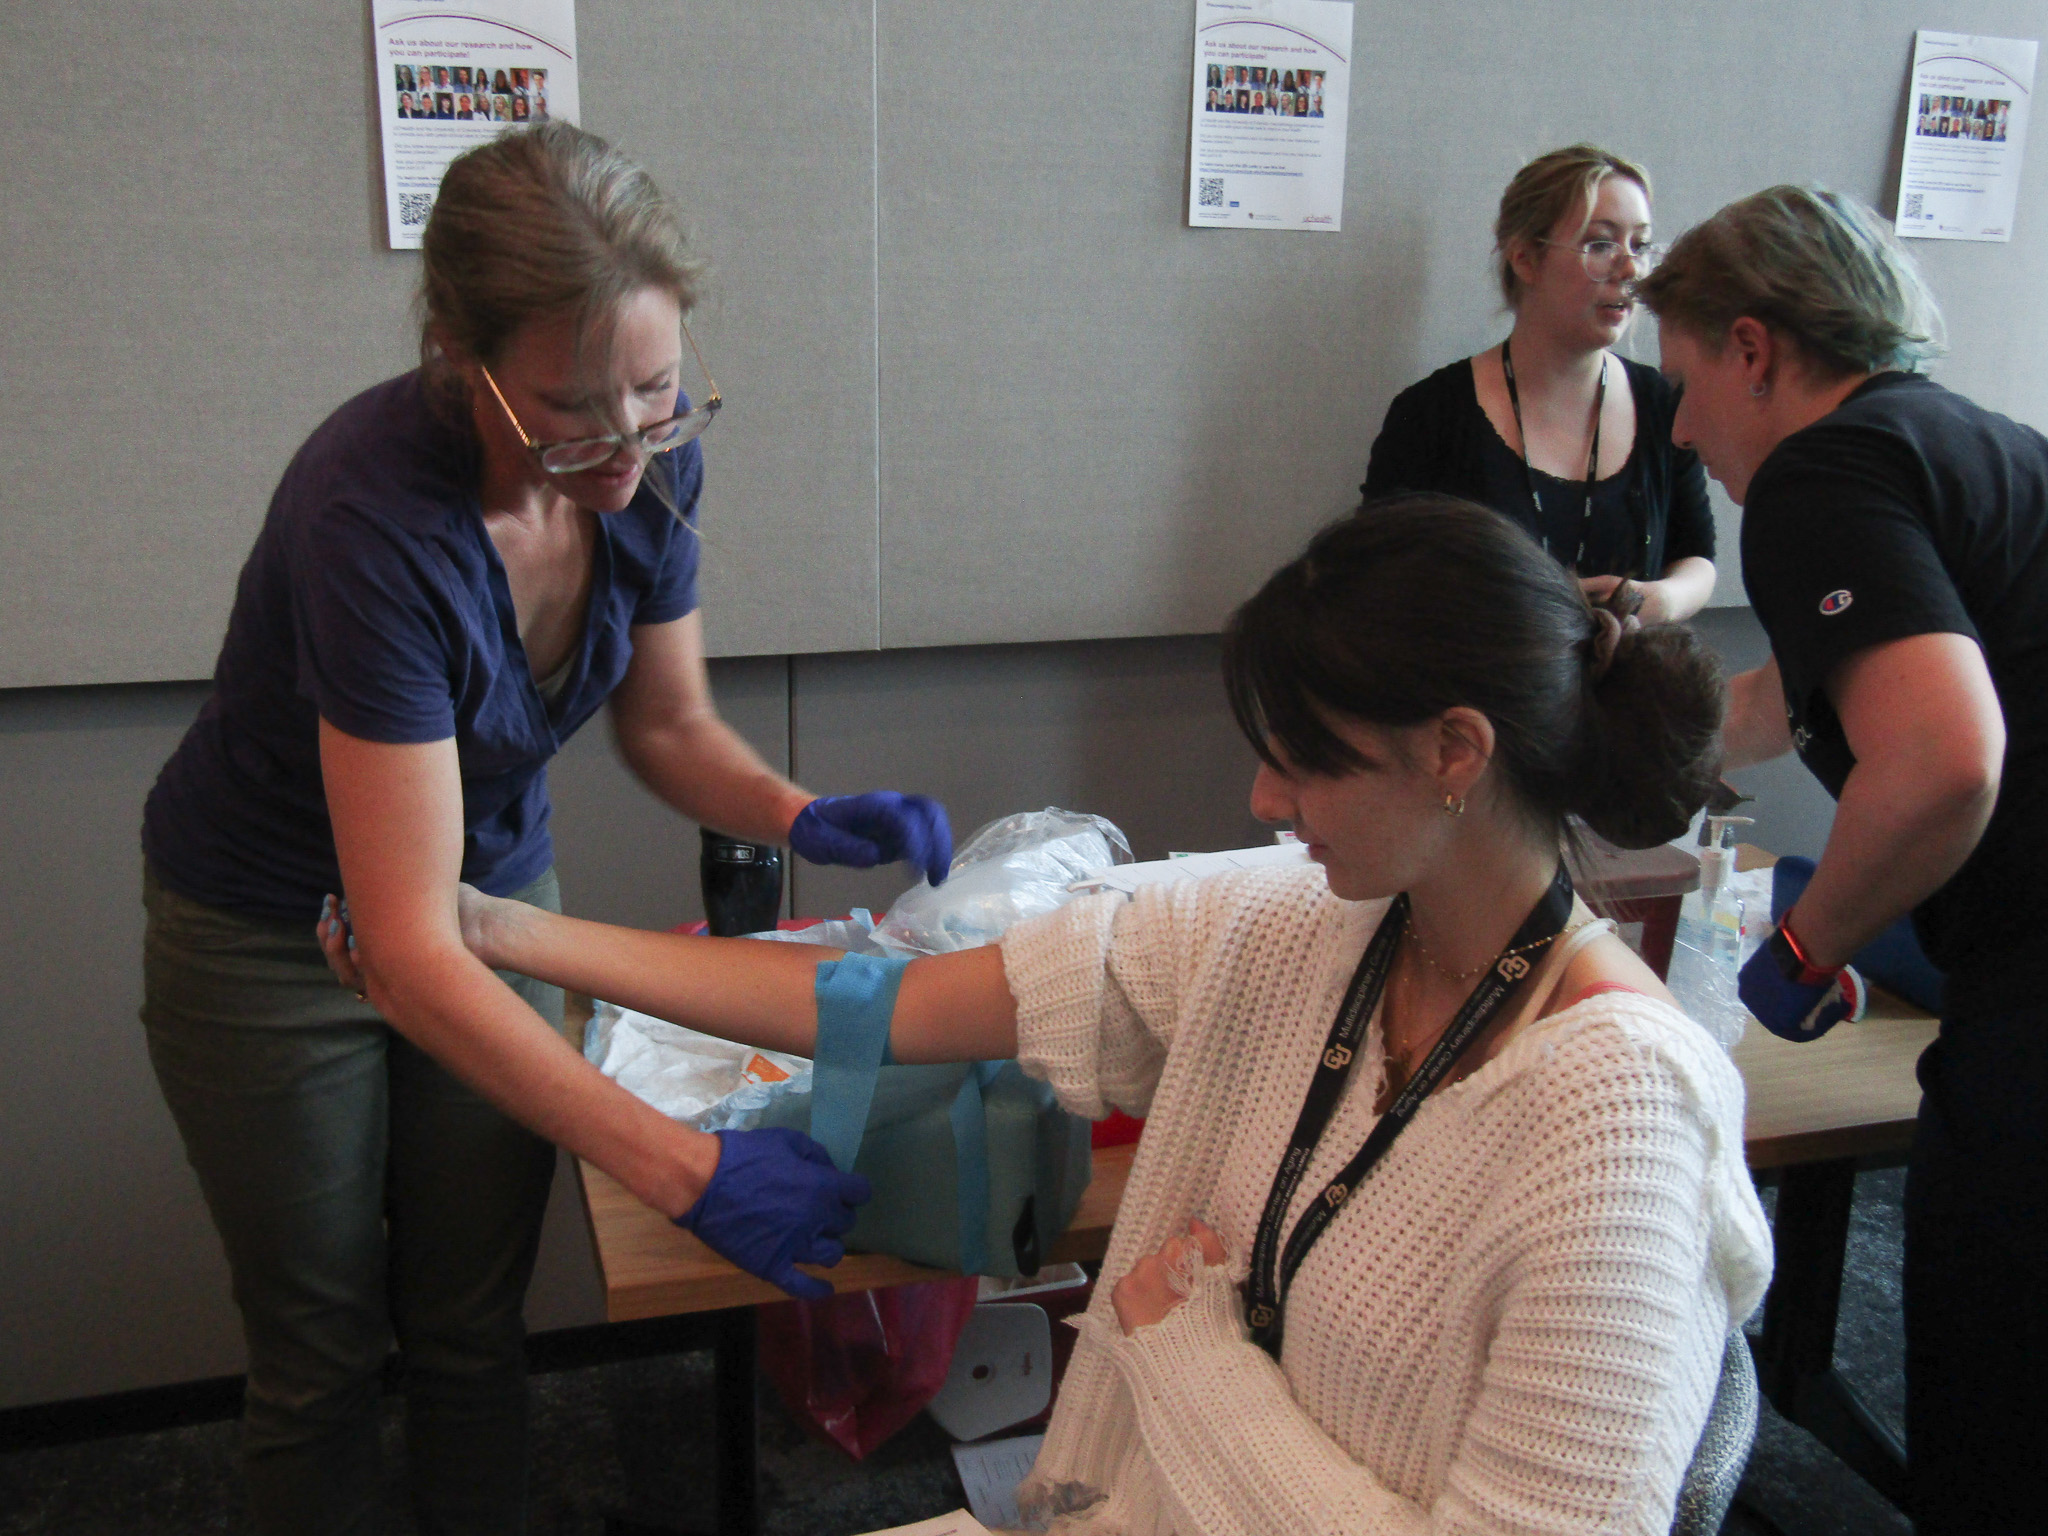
<point>1723,1451</point>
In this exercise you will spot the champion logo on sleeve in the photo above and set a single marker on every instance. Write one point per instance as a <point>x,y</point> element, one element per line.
<point>1836,602</point>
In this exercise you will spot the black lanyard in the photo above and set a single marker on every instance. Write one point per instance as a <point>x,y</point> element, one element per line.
<point>1507,368</point>
<point>1266,1286</point>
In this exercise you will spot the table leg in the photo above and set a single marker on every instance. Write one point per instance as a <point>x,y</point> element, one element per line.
<point>737,1406</point>
<point>1795,1353</point>
<point>735,1435</point>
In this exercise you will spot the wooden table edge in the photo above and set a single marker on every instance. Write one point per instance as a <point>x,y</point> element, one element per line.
<point>702,1282</point>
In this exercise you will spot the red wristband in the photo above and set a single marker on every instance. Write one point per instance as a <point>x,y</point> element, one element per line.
<point>1811,975</point>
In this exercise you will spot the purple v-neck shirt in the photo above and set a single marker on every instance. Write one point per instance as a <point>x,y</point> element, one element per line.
<point>375,598</point>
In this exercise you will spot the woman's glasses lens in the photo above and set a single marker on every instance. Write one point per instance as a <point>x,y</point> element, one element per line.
<point>1603,259</point>
<point>589,452</point>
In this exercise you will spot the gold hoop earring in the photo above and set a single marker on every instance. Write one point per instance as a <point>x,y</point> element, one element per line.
<point>1454,805</point>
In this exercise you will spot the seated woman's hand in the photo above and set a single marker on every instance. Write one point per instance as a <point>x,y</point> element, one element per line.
<point>479,916</point>
<point>1157,1283</point>
<point>338,944</point>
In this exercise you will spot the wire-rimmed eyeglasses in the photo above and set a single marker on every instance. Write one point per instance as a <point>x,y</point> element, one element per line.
<point>580,453</point>
<point>1602,259</point>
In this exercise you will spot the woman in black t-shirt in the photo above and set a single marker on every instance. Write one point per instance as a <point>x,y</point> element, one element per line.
<point>1895,544</point>
<point>1550,427</point>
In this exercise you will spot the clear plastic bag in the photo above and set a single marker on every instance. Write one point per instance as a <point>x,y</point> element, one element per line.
<point>699,1079</point>
<point>1017,867</point>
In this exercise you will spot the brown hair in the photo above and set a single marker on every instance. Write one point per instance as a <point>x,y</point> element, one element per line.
<point>1413,606</point>
<point>1544,191</point>
<point>538,223</point>
<point>1818,268</point>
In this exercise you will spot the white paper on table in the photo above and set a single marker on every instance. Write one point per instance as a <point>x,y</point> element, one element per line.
<point>958,1523</point>
<point>1966,129</point>
<point>991,1471</point>
<point>530,43</point>
<point>1270,153</point>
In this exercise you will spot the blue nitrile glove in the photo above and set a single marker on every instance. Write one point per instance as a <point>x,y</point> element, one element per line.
<point>1793,1000</point>
<point>880,827</point>
<point>776,1201</point>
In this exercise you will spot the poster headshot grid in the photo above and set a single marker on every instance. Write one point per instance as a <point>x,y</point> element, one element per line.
<point>1982,118</point>
<point>1265,91</point>
<point>460,93</point>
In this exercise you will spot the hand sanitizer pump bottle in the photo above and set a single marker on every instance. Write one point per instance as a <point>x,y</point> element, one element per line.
<point>1719,913</point>
<point>1706,961</point>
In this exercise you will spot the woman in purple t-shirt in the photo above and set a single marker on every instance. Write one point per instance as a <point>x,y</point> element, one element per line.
<point>457,570</point>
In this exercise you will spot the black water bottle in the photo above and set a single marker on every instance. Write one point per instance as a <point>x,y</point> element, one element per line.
<point>742,885</point>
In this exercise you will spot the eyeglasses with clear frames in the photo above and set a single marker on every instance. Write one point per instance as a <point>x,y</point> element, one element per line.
<point>579,453</point>
<point>1602,258</point>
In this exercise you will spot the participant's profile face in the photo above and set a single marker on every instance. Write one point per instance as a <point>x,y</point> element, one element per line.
<point>1375,828</point>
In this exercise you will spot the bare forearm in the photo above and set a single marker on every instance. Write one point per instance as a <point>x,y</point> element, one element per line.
<point>949,1007</point>
<point>1755,730</point>
<point>1685,588</point>
<point>1893,845</point>
<point>705,769</point>
<point>469,1021</point>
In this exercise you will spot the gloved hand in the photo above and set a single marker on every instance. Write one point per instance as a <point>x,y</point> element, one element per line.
<point>1794,1000</point>
<point>879,827</point>
<point>775,1201</point>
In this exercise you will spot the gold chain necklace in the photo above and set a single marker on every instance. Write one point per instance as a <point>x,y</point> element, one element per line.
<point>1448,974</point>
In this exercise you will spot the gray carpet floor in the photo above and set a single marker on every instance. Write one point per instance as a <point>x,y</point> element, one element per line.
<point>633,1440</point>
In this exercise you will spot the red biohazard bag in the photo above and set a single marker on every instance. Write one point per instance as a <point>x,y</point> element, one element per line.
<point>858,1367</point>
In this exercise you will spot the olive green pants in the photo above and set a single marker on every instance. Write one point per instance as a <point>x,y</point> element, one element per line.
<point>365,1198</point>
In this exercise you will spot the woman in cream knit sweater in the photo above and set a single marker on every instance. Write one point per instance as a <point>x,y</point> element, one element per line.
<point>1514,1320</point>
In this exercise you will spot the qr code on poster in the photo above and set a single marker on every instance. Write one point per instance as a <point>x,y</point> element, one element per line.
<point>1209,192</point>
<point>413,207</point>
<point>1914,203</point>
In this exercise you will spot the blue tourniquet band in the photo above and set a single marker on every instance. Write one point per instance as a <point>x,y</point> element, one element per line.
<point>856,1000</point>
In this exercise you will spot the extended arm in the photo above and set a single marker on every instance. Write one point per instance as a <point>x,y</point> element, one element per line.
<point>1924,722</point>
<point>1755,730</point>
<point>397,814</point>
<point>1686,586</point>
<point>953,1007</point>
<point>670,733</point>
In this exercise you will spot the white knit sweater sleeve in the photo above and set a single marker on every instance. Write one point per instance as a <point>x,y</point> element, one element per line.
<point>1098,985</point>
<point>1599,1332</point>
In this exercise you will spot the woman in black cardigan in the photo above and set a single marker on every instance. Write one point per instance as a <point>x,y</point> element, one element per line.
<point>1599,482</point>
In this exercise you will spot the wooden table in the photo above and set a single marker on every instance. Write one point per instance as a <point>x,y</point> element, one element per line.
<point>1816,1111</point>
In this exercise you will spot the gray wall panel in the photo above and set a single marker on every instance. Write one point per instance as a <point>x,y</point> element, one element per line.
<point>758,120</point>
<point>1098,422</point>
<point>110,1275</point>
<point>1137,732</point>
<point>197,275</point>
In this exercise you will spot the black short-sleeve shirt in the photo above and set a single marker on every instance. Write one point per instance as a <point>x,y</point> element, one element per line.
<point>1910,511</point>
<point>1649,513</point>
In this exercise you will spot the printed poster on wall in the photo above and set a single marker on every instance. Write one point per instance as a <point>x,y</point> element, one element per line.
<point>453,73</point>
<point>1966,127</point>
<point>1272,83</point>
